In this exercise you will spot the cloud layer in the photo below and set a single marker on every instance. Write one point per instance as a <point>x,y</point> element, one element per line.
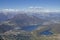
<point>40,9</point>
<point>31,9</point>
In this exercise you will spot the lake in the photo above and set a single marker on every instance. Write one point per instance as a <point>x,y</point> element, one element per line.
<point>46,32</point>
<point>29,28</point>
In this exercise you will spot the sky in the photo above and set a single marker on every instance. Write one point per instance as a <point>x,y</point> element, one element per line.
<point>22,4</point>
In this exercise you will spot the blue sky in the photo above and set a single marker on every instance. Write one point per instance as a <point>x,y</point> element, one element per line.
<point>21,4</point>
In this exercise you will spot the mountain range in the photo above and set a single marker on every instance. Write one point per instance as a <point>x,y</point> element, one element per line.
<point>32,26</point>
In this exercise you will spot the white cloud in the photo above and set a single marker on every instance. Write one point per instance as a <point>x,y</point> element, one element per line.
<point>32,9</point>
<point>39,9</point>
<point>35,7</point>
<point>8,10</point>
<point>11,11</point>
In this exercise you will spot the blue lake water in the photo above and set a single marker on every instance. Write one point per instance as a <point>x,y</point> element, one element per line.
<point>29,28</point>
<point>46,32</point>
<point>34,27</point>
